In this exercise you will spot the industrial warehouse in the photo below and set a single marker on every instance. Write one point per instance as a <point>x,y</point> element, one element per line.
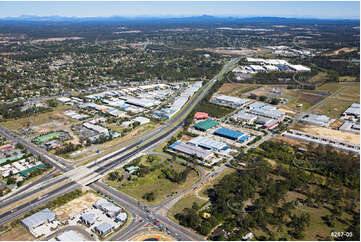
<point>342,145</point>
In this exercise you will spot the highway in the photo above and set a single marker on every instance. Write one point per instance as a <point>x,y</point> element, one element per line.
<point>89,174</point>
<point>55,161</point>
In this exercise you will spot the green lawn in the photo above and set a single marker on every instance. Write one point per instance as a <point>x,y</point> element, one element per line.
<point>155,182</point>
<point>319,77</point>
<point>350,94</point>
<point>330,87</point>
<point>334,107</point>
<point>183,203</point>
<point>335,86</point>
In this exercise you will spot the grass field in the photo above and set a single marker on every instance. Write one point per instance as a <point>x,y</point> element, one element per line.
<point>214,110</point>
<point>333,108</point>
<point>347,78</point>
<point>350,94</point>
<point>155,182</point>
<point>18,233</point>
<point>38,119</point>
<point>319,77</point>
<point>185,202</point>
<point>338,104</point>
<point>335,86</point>
<point>307,99</point>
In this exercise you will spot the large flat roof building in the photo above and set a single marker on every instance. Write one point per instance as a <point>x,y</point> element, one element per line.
<point>141,102</point>
<point>314,119</point>
<point>230,101</point>
<point>109,208</point>
<point>246,117</point>
<point>229,133</point>
<point>70,236</point>
<point>191,150</point>
<point>205,125</point>
<point>103,228</point>
<point>208,143</point>
<point>353,110</point>
<point>39,218</point>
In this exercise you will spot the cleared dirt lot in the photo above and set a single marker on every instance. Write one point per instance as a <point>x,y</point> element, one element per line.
<point>336,134</point>
<point>346,50</point>
<point>76,206</point>
<point>19,233</point>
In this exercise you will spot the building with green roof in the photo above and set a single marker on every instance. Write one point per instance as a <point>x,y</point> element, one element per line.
<point>205,125</point>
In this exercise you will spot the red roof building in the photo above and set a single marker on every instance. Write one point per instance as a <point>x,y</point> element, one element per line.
<point>6,147</point>
<point>201,115</point>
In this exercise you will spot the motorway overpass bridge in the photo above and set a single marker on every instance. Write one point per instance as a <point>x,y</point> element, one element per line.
<point>89,175</point>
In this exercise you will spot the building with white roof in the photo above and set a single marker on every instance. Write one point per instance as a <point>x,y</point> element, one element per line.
<point>189,149</point>
<point>299,67</point>
<point>103,228</point>
<point>353,110</point>
<point>107,207</point>
<point>230,101</point>
<point>141,102</point>
<point>257,60</point>
<point>314,119</point>
<point>142,120</point>
<point>246,117</point>
<point>96,128</point>
<point>70,235</point>
<point>270,68</point>
<point>37,219</point>
<point>265,112</point>
<point>63,99</point>
<point>257,68</point>
<point>350,127</point>
<point>208,143</point>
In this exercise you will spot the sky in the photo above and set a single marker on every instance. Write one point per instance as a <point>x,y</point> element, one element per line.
<point>306,9</point>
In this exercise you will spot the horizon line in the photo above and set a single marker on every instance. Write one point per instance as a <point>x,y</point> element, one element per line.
<point>178,16</point>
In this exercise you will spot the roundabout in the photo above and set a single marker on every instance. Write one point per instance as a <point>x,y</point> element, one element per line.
<point>152,235</point>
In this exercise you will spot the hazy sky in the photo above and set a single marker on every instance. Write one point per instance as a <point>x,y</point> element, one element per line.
<point>242,9</point>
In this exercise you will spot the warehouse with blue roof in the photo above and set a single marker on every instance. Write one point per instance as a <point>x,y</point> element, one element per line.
<point>231,134</point>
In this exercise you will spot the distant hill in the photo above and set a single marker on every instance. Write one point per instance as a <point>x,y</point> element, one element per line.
<point>193,19</point>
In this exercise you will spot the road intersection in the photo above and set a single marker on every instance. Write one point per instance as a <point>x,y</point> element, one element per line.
<point>89,175</point>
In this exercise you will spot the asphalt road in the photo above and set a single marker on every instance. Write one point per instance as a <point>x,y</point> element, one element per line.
<point>123,200</point>
<point>55,161</point>
<point>140,210</point>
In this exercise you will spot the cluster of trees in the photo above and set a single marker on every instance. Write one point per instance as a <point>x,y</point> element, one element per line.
<point>52,103</point>
<point>115,176</point>
<point>262,98</point>
<point>102,139</point>
<point>149,196</point>
<point>265,210</point>
<point>11,111</point>
<point>342,167</point>
<point>177,177</point>
<point>267,187</point>
<point>272,77</point>
<point>67,148</point>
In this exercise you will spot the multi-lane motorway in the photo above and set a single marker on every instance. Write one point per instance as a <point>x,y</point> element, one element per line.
<point>74,178</point>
